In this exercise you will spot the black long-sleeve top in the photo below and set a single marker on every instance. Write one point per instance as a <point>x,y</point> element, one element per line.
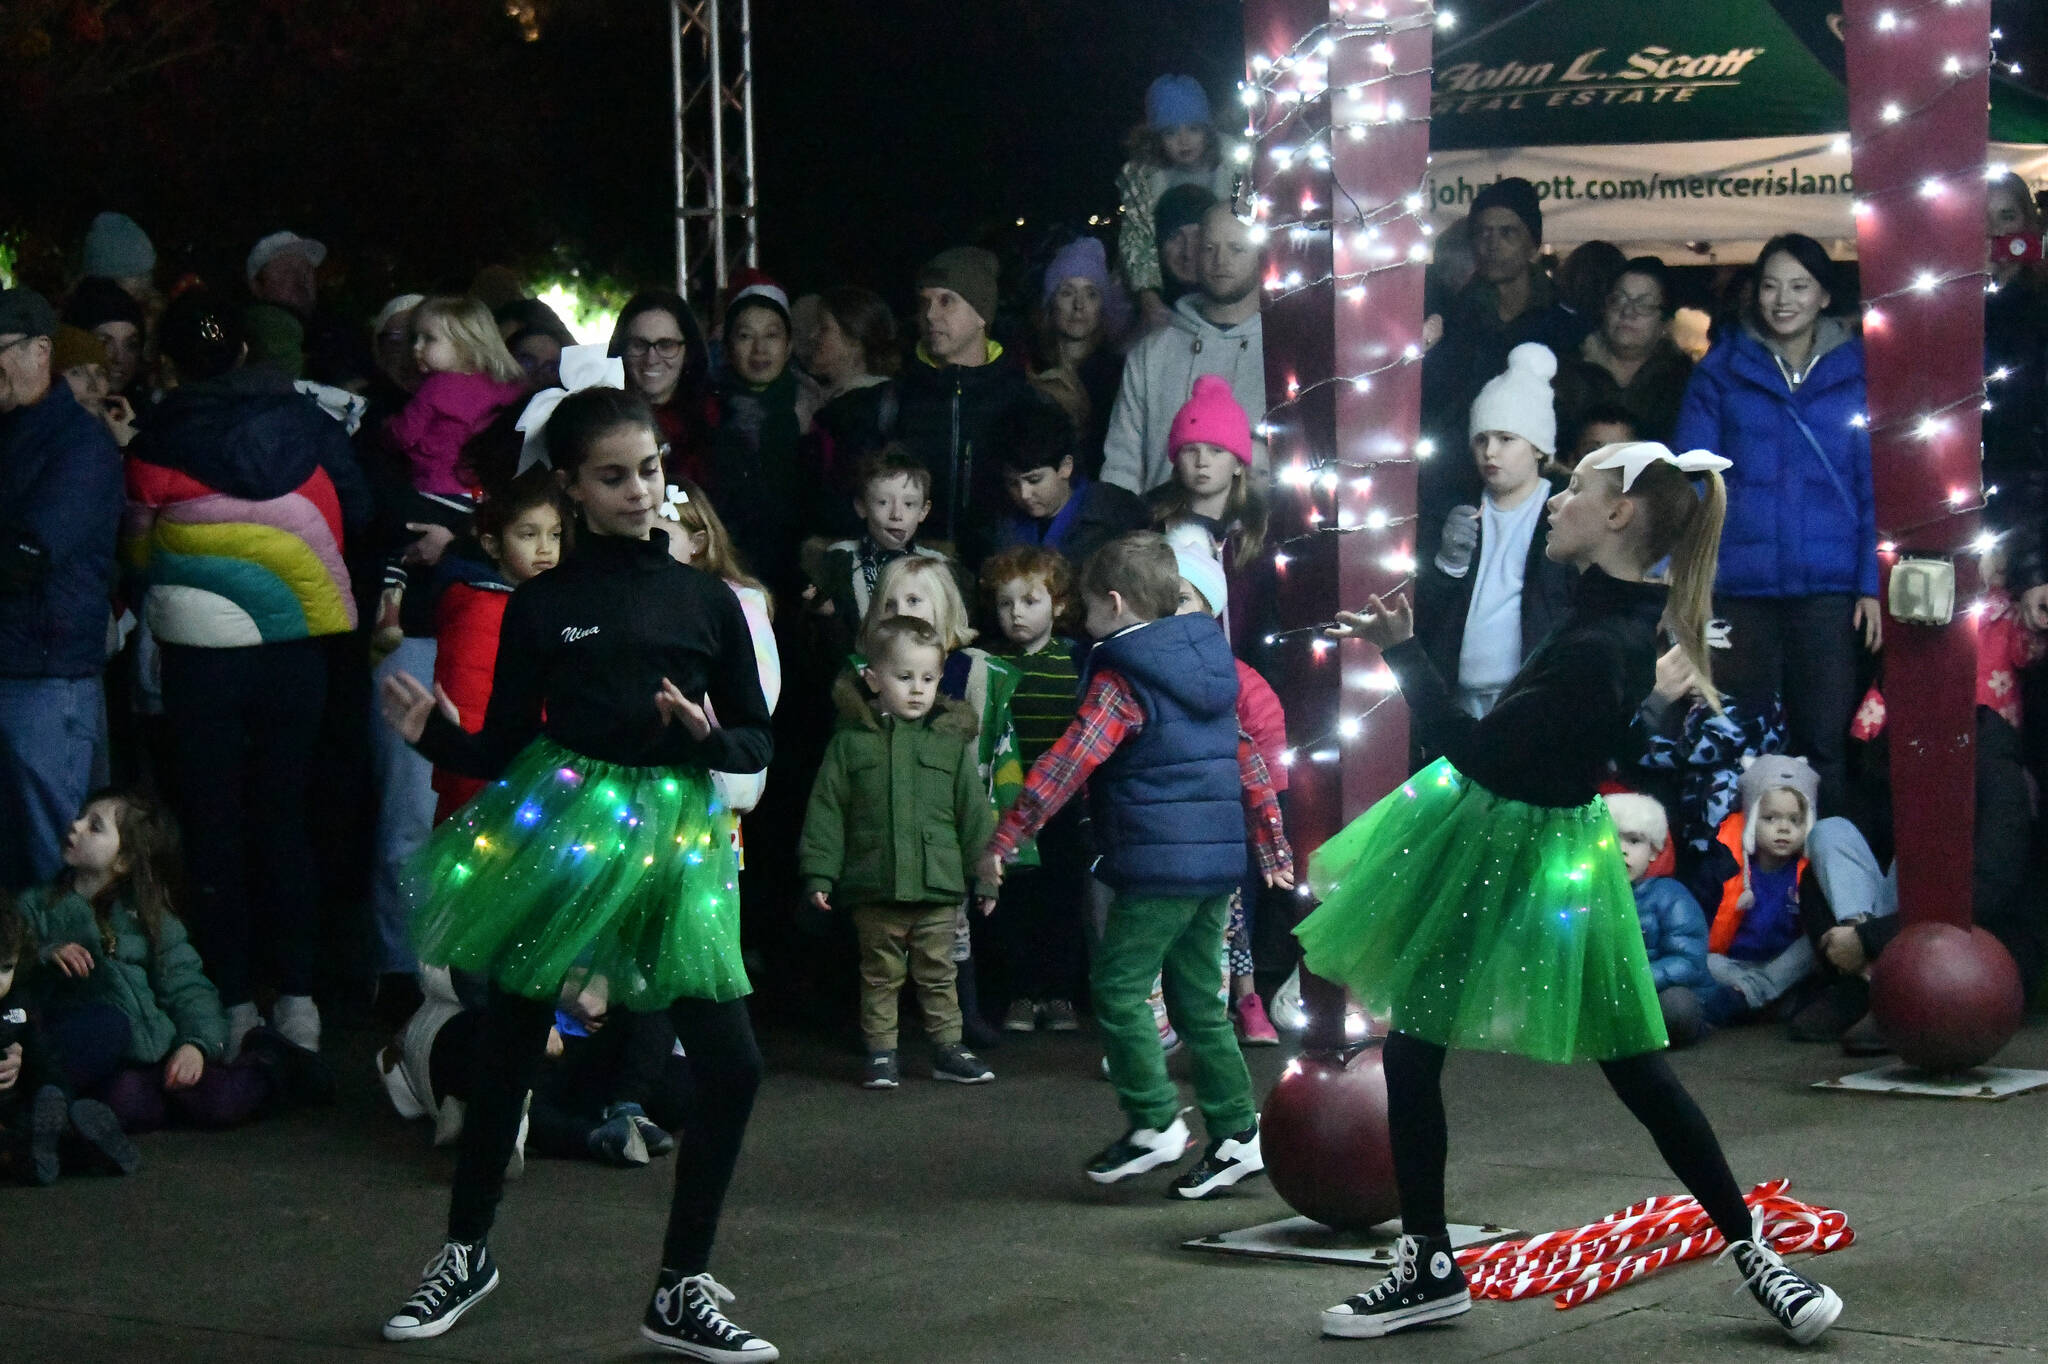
<point>583,650</point>
<point>1567,714</point>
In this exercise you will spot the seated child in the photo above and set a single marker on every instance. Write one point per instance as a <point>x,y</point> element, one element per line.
<point>522,532</point>
<point>894,500</point>
<point>1674,929</point>
<point>130,987</point>
<point>1174,788</point>
<point>898,815</point>
<point>1490,593</point>
<point>38,1118</point>
<point>1040,938</point>
<point>1050,506</point>
<point>1204,591</point>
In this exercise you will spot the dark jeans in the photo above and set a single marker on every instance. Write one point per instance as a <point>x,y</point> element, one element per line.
<point>1037,940</point>
<point>90,1041</point>
<point>725,1072</point>
<point>1806,650</point>
<point>244,723</point>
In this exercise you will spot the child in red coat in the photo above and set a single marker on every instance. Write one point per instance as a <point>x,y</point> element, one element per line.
<point>522,530</point>
<point>1204,591</point>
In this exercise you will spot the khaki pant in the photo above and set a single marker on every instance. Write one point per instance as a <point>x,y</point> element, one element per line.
<point>913,938</point>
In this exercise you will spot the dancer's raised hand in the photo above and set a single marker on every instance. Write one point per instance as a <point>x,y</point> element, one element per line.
<point>673,705</point>
<point>1383,624</point>
<point>406,705</point>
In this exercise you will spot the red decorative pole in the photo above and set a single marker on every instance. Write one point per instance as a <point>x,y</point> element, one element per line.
<point>1947,996</point>
<point>1337,96</point>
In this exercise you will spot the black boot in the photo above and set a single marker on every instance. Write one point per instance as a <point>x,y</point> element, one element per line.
<point>974,1029</point>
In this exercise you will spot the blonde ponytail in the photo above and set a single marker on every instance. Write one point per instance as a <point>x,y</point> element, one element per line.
<point>1693,560</point>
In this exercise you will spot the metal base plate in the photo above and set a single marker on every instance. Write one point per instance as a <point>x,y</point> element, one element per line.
<point>1302,1238</point>
<point>1985,1082</point>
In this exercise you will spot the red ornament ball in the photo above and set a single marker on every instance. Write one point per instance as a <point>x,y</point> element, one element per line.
<point>1324,1135</point>
<point>1946,998</point>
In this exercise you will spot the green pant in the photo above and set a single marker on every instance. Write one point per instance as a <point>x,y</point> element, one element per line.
<point>1180,939</point>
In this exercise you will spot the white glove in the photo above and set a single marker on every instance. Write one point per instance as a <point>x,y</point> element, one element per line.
<point>1460,541</point>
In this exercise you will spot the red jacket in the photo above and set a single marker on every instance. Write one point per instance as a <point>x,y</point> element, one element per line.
<point>1259,714</point>
<point>466,652</point>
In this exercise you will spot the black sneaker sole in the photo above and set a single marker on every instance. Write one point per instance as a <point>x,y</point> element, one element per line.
<point>1370,1326</point>
<point>710,1354</point>
<point>427,1330</point>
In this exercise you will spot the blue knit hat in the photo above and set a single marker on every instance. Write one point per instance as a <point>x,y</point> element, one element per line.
<point>1175,102</point>
<point>117,248</point>
<point>1081,258</point>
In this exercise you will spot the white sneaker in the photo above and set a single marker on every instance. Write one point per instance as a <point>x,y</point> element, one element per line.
<point>391,1074</point>
<point>448,1121</point>
<point>297,1020</point>
<point>415,1045</point>
<point>242,1020</point>
<point>1228,1160</point>
<point>1141,1149</point>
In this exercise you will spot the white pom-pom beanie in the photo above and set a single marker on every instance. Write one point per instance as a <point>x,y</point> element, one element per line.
<point>1519,401</point>
<point>1635,813</point>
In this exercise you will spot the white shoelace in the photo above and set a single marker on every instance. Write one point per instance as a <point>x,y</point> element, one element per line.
<point>703,1305</point>
<point>1768,1277</point>
<point>439,1278</point>
<point>1407,1258</point>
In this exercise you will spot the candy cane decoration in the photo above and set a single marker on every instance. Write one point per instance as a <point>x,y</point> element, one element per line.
<point>1579,1264</point>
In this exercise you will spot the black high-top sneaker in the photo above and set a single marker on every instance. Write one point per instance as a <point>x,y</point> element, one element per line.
<point>1425,1285</point>
<point>456,1281</point>
<point>1798,1304</point>
<point>684,1316</point>
<point>1224,1163</point>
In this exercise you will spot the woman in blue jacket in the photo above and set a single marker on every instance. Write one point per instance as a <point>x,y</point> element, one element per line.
<point>1783,397</point>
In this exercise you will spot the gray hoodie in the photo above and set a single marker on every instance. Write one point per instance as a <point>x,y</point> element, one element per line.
<point>1159,375</point>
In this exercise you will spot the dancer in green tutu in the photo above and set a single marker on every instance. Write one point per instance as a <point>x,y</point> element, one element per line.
<point>598,851</point>
<point>1485,904</point>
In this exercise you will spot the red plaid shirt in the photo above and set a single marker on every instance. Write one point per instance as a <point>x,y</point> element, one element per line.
<point>1110,714</point>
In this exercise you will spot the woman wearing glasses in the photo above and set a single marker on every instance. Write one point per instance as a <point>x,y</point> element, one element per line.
<point>658,338</point>
<point>1630,360</point>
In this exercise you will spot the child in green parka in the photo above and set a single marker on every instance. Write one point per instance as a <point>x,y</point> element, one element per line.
<point>141,1026</point>
<point>898,814</point>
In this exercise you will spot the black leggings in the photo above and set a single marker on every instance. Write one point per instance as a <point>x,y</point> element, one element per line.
<point>725,1067</point>
<point>1646,1084</point>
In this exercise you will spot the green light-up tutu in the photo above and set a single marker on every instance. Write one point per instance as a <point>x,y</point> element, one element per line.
<point>1477,922</point>
<point>567,867</point>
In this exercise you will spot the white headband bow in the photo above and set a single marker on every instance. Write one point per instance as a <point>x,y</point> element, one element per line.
<point>1632,457</point>
<point>582,367</point>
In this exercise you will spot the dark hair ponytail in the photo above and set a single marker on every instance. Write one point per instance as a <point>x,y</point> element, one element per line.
<point>586,416</point>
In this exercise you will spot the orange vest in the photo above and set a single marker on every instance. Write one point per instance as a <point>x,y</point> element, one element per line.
<point>1728,916</point>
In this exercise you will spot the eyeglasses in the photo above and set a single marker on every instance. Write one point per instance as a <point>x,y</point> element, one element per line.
<point>668,348</point>
<point>1635,305</point>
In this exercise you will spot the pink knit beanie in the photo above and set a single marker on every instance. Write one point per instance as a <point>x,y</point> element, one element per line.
<point>1211,415</point>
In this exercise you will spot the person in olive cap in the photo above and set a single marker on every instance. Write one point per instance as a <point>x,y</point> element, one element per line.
<point>956,388</point>
<point>60,508</point>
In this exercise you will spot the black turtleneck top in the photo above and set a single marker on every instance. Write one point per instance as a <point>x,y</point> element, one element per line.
<point>1567,714</point>
<point>583,650</point>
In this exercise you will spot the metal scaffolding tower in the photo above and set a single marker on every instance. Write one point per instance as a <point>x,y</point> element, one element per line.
<point>711,54</point>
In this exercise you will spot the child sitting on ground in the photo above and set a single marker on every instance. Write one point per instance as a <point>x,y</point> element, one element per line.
<point>1040,939</point>
<point>1174,786</point>
<point>898,815</point>
<point>132,992</point>
<point>1490,593</point>
<point>522,532</point>
<point>1204,591</point>
<point>37,1117</point>
<point>1674,929</point>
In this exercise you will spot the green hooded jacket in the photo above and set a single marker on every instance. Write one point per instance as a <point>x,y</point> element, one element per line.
<point>164,994</point>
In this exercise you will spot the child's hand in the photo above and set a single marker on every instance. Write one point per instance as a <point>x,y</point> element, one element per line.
<point>1676,677</point>
<point>986,904</point>
<point>673,705</point>
<point>1844,950</point>
<point>554,1041</point>
<point>10,1067</point>
<point>184,1067</point>
<point>1282,879</point>
<point>1868,617</point>
<point>1383,626</point>
<point>406,705</point>
<point>989,870</point>
<point>73,959</point>
<point>820,900</point>
<point>589,1008</point>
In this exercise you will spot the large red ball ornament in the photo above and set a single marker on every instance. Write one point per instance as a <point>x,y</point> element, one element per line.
<point>1324,1136</point>
<point>1946,998</point>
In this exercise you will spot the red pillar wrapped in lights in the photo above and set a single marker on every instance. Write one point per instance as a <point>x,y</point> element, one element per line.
<point>1946,995</point>
<point>1337,99</point>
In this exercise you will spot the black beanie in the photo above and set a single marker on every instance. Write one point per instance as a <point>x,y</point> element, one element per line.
<point>1179,206</point>
<point>97,301</point>
<point>1518,197</point>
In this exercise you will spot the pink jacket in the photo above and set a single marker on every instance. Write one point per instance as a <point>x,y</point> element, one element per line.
<point>438,422</point>
<point>1259,714</point>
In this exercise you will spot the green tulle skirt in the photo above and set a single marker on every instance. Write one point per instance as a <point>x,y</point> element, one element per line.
<point>568,868</point>
<point>1489,924</point>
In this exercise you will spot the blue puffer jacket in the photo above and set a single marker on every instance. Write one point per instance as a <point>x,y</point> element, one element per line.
<point>1675,932</point>
<point>1800,523</point>
<point>60,508</point>
<point>1169,803</point>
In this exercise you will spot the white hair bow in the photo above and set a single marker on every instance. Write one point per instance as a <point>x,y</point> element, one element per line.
<point>671,508</point>
<point>581,367</point>
<point>1632,457</point>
